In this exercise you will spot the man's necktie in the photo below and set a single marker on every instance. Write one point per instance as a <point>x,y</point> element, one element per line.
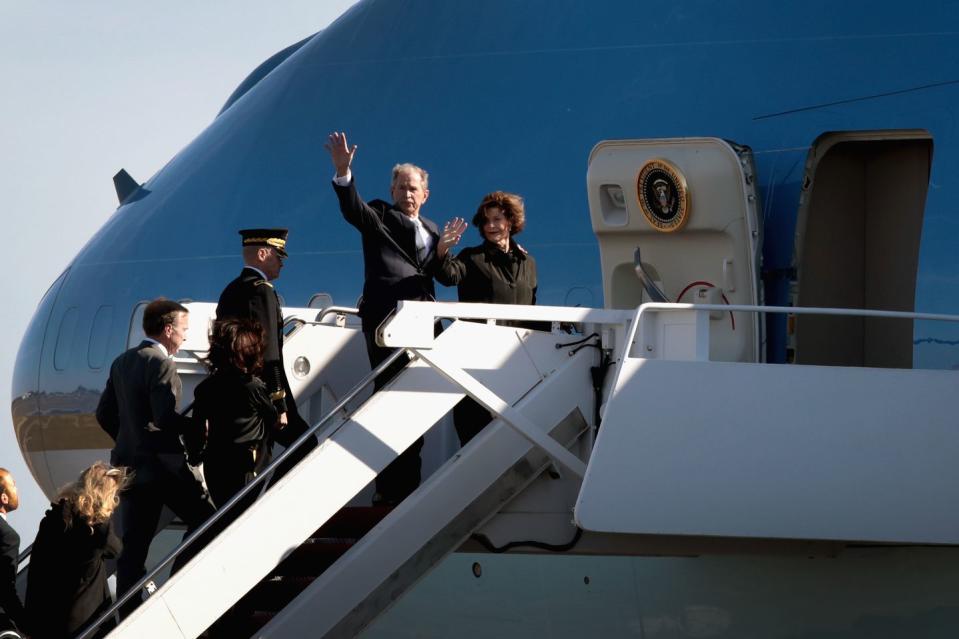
<point>422,250</point>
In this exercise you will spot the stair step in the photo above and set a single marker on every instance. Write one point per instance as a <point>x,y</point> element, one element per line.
<point>274,593</point>
<point>255,609</point>
<point>258,619</point>
<point>353,521</point>
<point>308,561</point>
<point>312,557</point>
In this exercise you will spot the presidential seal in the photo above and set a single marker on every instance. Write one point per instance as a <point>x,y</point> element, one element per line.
<point>663,196</point>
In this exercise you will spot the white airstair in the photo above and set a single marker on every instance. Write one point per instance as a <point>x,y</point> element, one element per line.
<point>545,401</point>
<point>541,386</point>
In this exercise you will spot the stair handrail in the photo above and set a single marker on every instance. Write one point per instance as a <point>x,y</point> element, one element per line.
<point>653,307</point>
<point>23,556</point>
<point>792,310</point>
<point>299,321</point>
<point>757,308</point>
<point>342,310</point>
<point>239,496</point>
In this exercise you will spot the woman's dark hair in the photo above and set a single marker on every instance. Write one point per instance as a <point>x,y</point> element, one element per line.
<point>512,206</point>
<point>236,343</point>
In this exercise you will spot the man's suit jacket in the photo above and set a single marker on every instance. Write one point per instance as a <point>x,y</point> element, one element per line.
<point>250,296</point>
<point>12,615</point>
<point>392,272</point>
<point>138,410</point>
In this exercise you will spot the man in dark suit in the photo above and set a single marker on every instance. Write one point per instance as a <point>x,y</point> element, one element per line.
<point>138,410</point>
<point>12,614</point>
<point>398,247</point>
<point>252,296</point>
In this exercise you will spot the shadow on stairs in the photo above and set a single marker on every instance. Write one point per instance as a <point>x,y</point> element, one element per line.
<point>255,609</point>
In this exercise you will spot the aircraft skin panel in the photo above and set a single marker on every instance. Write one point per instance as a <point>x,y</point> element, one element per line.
<point>262,71</point>
<point>578,97</point>
<point>863,593</point>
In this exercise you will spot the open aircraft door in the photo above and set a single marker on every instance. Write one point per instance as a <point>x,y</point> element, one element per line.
<point>676,221</point>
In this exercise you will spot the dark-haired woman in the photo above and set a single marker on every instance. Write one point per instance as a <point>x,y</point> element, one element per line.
<point>235,405</point>
<point>67,582</point>
<point>497,271</point>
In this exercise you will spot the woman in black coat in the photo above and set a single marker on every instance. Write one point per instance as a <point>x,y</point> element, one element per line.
<point>235,405</point>
<point>498,271</point>
<point>67,580</point>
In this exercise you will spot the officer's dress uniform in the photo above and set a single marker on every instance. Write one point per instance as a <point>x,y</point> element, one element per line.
<point>251,296</point>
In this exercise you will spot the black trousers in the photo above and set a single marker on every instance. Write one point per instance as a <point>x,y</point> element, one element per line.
<point>402,476</point>
<point>227,472</point>
<point>469,418</point>
<point>295,427</point>
<point>140,508</point>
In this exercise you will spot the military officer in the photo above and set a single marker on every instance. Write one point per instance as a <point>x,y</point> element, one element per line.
<point>252,296</point>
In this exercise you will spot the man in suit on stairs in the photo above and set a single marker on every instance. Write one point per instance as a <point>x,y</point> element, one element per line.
<point>138,409</point>
<point>399,246</point>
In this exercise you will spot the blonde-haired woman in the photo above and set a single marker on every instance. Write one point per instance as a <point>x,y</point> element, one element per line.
<point>67,583</point>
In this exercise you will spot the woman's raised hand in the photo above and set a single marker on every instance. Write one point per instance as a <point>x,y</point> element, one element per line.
<point>452,231</point>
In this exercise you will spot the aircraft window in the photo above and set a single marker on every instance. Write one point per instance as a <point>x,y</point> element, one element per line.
<point>53,287</point>
<point>68,326</point>
<point>320,301</point>
<point>100,337</point>
<point>135,332</point>
<point>613,205</point>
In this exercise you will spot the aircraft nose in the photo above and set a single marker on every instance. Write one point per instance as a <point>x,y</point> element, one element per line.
<point>25,408</point>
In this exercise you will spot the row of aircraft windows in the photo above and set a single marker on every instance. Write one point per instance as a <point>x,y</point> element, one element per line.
<point>102,327</point>
<point>97,343</point>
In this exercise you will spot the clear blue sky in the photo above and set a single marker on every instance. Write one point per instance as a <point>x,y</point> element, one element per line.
<point>88,88</point>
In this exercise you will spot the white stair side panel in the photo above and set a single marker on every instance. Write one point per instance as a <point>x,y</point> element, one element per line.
<point>337,362</point>
<point>407,543</point>
<point>775,451</point>
<point>286,515</point>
